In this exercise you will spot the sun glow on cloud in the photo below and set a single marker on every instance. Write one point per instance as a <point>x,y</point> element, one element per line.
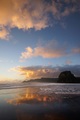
<point>4,34</point>
<point>33,72</point>
<point>37,15</point>
<point>26,14</point>
<point>49,50</point>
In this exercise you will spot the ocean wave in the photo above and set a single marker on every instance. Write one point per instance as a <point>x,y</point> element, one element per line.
<point>46,88</point>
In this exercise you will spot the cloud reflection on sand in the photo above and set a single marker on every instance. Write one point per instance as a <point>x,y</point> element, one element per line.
<point>31,96</point>
<point>30,103</point>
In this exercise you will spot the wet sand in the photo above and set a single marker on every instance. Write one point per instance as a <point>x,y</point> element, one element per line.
<point>30,104</point>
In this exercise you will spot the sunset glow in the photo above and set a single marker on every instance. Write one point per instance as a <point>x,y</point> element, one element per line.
<point>39,38</point>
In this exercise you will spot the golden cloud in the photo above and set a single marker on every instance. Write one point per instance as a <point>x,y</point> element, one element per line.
<point>4,34</point>
<point>49,50</point>
<point>34,72</point>
<point>23,14</point>
<point>37,71</point>
<point>26,14</point>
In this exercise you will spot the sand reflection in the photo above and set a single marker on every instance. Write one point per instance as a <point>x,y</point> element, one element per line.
<point>31,104</point>
<point>31,96</point>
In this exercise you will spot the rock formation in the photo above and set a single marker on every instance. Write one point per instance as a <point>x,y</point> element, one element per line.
<point>66,77</point>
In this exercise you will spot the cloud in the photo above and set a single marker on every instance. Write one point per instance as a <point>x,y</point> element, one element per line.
<point>49,50</point>
<point>71,6</point>
<point>76,50</point>
<point>4,34</point>
<point>26,14</point>
<point>36,71</point>
<point>33,72</point>
<point>23,14</point>
<point>68,62</point>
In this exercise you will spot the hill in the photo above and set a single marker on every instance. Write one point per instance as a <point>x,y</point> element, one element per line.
<point>47,80</point>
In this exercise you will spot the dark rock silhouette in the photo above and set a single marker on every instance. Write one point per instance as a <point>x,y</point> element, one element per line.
<point>66,77</point>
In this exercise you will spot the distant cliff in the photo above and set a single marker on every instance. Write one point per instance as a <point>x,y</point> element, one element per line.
<point>64,77</point>
<point>47,80</point>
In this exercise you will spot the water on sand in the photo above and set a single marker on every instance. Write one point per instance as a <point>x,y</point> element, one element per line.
<point>40,102</point>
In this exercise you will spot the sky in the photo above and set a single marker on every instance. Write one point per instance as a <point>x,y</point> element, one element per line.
<point>39,38</point>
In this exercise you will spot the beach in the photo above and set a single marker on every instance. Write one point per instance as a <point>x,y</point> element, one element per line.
<point>39,101</point>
